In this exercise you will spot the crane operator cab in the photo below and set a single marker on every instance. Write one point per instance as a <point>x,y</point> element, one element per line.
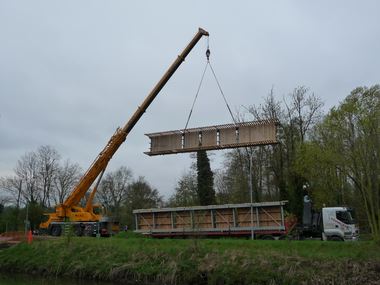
<point>98,209</point>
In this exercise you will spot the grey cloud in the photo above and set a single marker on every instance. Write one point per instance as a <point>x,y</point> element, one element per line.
<point>73,71</point>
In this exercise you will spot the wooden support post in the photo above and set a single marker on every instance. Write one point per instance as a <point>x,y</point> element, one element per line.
<point>234,216</point>
<point>212,218</point>
<point>282,216</point>
<point>136,221</point>
<point>172,219</point>
<point>257,218</point>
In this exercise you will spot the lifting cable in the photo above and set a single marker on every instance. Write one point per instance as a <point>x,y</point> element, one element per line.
<point>221,91</point>
<point>208,63</point>
<point>196,96</point>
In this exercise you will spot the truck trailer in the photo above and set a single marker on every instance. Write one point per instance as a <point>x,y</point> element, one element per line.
<point>266,220</point>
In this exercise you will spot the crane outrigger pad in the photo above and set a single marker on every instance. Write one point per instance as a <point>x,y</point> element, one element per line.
<point>214,137</point>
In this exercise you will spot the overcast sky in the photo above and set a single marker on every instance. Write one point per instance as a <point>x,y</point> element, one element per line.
<point>71,72</point>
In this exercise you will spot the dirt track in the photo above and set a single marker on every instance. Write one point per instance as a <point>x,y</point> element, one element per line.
<point>6,242</point>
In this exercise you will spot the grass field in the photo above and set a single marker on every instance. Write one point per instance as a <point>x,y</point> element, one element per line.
<point>198,261</point>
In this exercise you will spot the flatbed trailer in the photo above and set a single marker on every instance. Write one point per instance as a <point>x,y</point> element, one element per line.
<point>265,220</point>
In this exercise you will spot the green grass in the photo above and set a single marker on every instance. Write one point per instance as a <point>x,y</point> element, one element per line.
<point>199,261</point>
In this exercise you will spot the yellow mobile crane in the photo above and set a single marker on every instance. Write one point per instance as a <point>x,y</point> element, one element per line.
<point>70,212</point>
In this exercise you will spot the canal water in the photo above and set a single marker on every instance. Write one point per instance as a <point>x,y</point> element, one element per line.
<point>20,279</point>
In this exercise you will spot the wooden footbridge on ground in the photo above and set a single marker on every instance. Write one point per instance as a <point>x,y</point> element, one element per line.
<point>265,219</point>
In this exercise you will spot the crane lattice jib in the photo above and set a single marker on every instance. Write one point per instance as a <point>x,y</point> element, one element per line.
<point>100,163</point>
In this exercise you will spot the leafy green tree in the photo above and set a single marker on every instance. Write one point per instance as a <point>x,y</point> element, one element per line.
<point>10,219</point>
<point>35,211</point>
<point>185,192</point>
<point>328,185</point>
<point>14,187</point>
<point>140,196</point>
<point>205,179</point>
<point>351,134</point>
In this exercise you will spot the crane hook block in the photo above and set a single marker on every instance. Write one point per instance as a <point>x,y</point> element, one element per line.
<point>208,52</point>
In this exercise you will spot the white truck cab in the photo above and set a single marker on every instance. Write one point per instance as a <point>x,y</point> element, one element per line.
<point>338,224</point>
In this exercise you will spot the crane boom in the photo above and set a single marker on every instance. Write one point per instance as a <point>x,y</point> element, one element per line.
<point>100,163</point>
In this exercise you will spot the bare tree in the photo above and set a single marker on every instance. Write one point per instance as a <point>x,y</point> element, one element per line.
<point>273,174</point>
<point>39,180</point>
<point>303,110</point>
<point>4,200</point>
<point>114,188</point>
<point>12,187</point>
<point>270,109</point>
<point>27,171</point>
<point>65,179</point>
<point>48,164</point>
<point>222,189</point>
<point>36,171</point>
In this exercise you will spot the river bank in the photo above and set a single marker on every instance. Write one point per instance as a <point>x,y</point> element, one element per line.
<point>25,279</point>
<point>228,261</point>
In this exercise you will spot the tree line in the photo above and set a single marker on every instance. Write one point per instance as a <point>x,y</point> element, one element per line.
<point>42,180</point>
<point>333,157</point>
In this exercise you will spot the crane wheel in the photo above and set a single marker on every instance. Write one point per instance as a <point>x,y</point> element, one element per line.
<point>56,230</point>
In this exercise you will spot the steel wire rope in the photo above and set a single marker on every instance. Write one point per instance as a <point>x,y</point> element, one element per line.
<point>196,95</point>
<point>221,91</point>
<point>199,87</point>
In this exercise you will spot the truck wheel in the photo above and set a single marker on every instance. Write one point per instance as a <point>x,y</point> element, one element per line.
<point>335,238</point>
<point>267,237</point>
<point>56,230</point>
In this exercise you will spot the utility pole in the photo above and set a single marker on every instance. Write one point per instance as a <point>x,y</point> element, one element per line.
<point>251,192</point>
<point>27,223</point>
